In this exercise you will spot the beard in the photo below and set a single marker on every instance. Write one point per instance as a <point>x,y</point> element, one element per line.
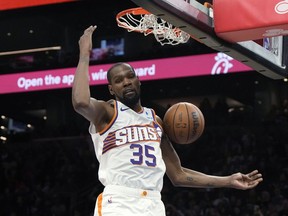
<point>130,101</point>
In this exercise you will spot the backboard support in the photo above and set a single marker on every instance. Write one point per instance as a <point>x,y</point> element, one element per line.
<point>197,20</point>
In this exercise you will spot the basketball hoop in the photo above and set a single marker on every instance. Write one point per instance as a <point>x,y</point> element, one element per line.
<point>140,20</point>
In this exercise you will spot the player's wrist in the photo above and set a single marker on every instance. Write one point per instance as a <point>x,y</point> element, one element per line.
<point>84,58</point>
<point>225,182</point>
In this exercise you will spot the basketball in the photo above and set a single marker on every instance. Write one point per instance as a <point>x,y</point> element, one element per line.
<point>183,123</point>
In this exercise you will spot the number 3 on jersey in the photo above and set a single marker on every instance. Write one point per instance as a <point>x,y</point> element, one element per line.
<point>143,154</point>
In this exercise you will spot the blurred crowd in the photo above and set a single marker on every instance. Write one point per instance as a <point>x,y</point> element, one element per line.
<point>58,176</point>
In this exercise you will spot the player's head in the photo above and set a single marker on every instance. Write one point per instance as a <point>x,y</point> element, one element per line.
<point>124,83</point>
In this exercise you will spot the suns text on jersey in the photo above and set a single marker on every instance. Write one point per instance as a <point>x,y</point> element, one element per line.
<point>135,134</point>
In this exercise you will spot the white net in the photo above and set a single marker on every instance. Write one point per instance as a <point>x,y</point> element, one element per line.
<point>164,32</point>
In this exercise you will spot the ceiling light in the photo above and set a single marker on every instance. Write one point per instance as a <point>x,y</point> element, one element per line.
<point>43,49</point>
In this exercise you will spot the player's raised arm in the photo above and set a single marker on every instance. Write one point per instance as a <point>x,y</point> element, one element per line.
<point>92,109</point>
<point>80,88</point>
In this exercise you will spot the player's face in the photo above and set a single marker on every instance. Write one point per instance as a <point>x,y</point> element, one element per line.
<point>125,85</point>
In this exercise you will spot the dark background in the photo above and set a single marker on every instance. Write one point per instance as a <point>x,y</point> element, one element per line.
<point>63,24</point>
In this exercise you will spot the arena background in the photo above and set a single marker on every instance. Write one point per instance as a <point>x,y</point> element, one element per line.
<point>47,162</point>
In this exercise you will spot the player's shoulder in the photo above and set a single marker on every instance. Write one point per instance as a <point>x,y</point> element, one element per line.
<point>159,120</point>
<point>107,105</point>
<point>110,102</point>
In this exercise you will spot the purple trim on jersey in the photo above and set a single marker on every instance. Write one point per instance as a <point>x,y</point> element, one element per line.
<point>109,142</point>
<point>154,115</point>
<point>155,119</point>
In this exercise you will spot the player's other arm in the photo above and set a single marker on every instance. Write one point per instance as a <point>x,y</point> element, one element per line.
<point>183,177</point>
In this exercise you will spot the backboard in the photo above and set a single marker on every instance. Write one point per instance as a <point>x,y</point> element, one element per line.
<point>197,20</point>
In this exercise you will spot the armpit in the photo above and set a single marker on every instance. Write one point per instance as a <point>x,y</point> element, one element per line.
<point>111,102</point>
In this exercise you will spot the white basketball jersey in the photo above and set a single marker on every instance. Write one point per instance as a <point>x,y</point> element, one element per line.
<point>128,149</point>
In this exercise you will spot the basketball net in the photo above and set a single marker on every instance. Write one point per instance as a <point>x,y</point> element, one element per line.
<point>140,20</point>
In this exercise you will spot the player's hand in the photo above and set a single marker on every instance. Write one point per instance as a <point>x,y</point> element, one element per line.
<point>85,41</point>
<point>245,181</point>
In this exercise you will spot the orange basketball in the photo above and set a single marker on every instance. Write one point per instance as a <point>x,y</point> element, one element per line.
<point>183,123</point>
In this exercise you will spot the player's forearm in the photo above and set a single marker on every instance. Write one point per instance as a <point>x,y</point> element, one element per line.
<point>80,88</point>
<point>197,179</point>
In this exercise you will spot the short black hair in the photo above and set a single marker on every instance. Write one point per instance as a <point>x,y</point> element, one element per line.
<point>114,66</point>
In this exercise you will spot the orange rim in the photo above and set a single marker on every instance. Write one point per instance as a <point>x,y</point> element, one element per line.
<point>134,11</point>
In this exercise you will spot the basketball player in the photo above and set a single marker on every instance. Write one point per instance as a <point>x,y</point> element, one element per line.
<point>132,149</point>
